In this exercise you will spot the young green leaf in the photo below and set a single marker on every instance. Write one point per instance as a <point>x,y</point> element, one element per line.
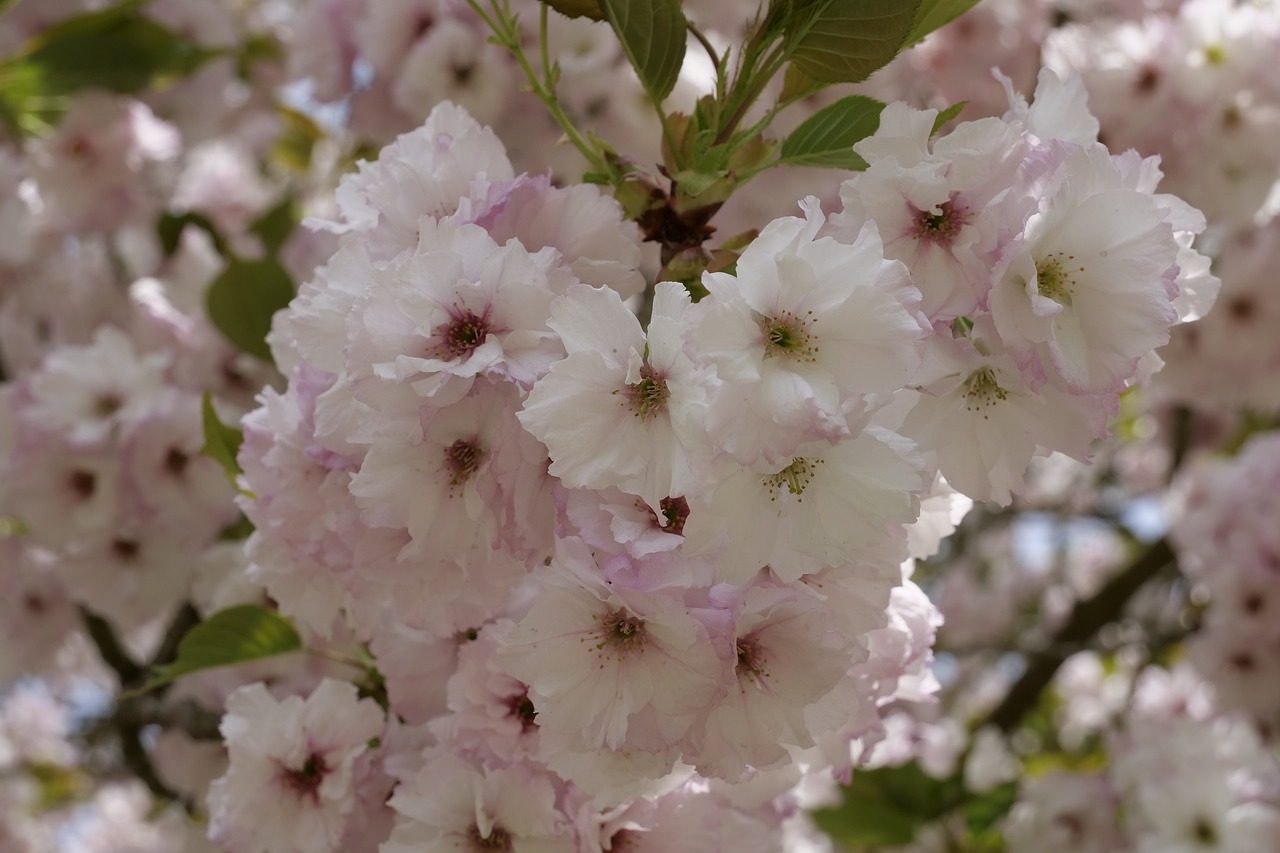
<point>242,300</point>
<point>169,228</point>
<point>846,40</point>
<point>936,13</point>
<point>297,141</point>
<point>238,634</point>
<point>867,820</point>
<point>985,810</point>
<point>117,48</point>
<point>826,138</point>
<point>221,442</point>
<point>653,35</point>
<point>947,115</point>
<point>275,226</point>
<point>885,806</point>
<point>577,8</point>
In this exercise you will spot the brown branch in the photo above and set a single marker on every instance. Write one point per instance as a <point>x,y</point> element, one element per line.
<point>113,654</point>
<point>132,715</point>
<point>1088,617</point>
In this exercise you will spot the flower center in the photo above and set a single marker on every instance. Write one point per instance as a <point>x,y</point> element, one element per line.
<point>795,478</point>
<point>981,391</point>
<point>521,707</point>
<point>1204,832</point>
<point>497,839</point>
<point>786,335</point>
<point>751,659</point>
<point>462,459</point>
<point>622,631</point>
<point>83,483</point>
<point>675,511</point>
<point>107,404</point>
<point>175,461</point>
<point>464,334</point>
<point>126,550</point>
<point>648,396</point>
<point>305,780</point>
<point>942,227</point>
<point>1055,278</point>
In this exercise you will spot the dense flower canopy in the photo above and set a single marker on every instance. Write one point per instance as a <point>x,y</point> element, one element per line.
<point>594,426</point>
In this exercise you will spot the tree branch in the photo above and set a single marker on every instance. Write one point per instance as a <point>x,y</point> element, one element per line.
<point>113,654</point>
<point>1088,617</point>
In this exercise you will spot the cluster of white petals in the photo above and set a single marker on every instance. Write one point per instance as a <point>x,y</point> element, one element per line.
<point>668,553</point>
<point>1050,269</point>
<point>632,569</point>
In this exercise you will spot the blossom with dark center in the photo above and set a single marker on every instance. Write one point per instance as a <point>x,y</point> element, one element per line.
<point>305,780</point>
<point>941,228</point>
<point>463,334</point>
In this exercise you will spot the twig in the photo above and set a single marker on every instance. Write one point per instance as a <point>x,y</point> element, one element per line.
<point>1088,617</point>
<point>113,654</point>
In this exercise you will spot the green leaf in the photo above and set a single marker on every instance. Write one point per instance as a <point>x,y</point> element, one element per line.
<point>237,530</point>
<point>869,820</point>
<point>297,141</point>
<point>577,8</point>
<point>118,49</point>
<point>947,115</point>
<point>169,228</point>
<point>221,442</point>
<point>826,138</point>
<point>239,634</point>
<point>982,814</point>
<point>653,35</point>
<point>846,40</point>
<point>884,807</point>
<point>796,84</point>
<point>24,109</point>
<point>12,526</point>
<point>936,13</point>
<point>275,226</point>
<point>242,300</point>
<point>56,786</point>
<point>257,49</point>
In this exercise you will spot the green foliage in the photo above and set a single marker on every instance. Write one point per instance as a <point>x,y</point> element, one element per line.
<point>274,227</point>
<point>239,634</point>
<point>23,106</point>
<point>936,13</point>
<point>826,138</point>
<point>885,806</point>
<point>12,526</point>
<point>242,300</point>
<point>577,8</point>
<point>169,228</point>
<point>236,531</point>
<point>57,786</point>
<point>846,40</point>
<point>947,115</point>
<point>118,49</point>
<point>221,442</point>
<point>297,140</point>
<point>983,812</point>
<point>653,35</point>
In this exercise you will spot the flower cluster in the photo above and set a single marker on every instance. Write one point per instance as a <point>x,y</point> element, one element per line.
<point>631,568</point>
<point>102,463</point>
<point>1184,775</point>
<point>1227,543</point>
<point>1050,267</point>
